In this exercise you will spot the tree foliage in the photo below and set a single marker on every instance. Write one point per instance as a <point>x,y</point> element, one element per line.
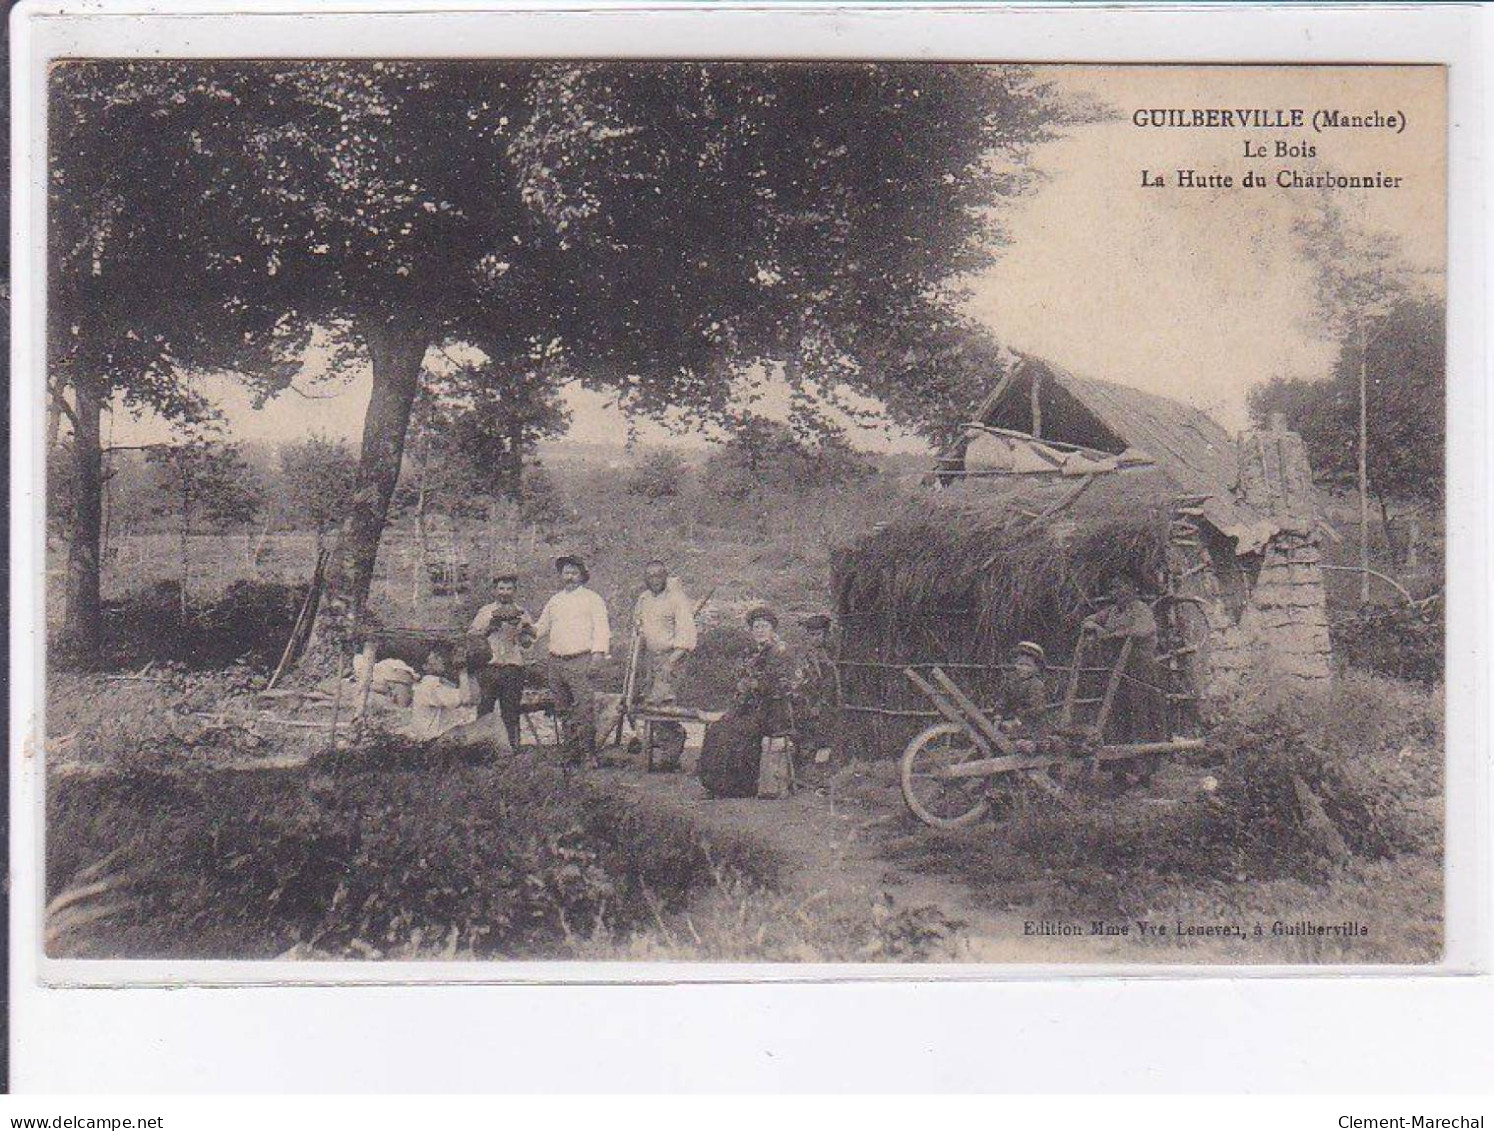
<point>657,227</point>
<point>765,453</point>
<point>316,483</point>
<point>1406,383</point>
<point>204,485</point>
<point>474,428</point>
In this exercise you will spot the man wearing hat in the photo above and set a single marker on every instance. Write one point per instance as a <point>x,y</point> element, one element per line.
<point>1024,690</point>
<point>820,690</point>
<point>574,621</point>
<point>508,633</point>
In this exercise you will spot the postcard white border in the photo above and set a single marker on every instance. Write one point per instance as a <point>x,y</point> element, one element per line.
<point>45,992</point>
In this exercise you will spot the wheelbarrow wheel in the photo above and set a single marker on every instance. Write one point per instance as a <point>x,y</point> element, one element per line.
<point>944,803</point>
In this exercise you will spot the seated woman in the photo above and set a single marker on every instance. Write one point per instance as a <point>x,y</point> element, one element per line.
<point>437,703</point>
<point>763,708</point>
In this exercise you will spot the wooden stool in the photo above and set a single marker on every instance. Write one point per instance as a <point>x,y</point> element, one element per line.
<point>647,722</point>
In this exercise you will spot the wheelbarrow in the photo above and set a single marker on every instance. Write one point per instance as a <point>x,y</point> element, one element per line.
<point>950,770</point>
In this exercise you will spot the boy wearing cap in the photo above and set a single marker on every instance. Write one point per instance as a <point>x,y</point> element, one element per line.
<point>574,621</point>
<point>1024,690</point>
<point>509,633</point>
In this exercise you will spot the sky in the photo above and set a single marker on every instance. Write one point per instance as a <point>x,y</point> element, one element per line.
<point>1193,293</point>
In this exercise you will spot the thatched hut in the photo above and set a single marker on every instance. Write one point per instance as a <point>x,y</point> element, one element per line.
<point>1059,483</point>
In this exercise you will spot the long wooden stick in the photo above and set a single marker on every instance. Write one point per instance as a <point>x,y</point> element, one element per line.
<point>1113,686</point>
<point>949,711</point>
<point>365,681</point>
<point>972,712</point>
<point>1071,693</point>
<point>989,767</point>
<point>629,679</point>
<point>308,610</point>
<point>342,667</point>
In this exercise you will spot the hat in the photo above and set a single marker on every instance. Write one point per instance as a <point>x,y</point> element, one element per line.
<point>572,560</point>
<point>505,573</point>
<point>819,622</point>
<point>762,612</point>
<point>1028,648</point>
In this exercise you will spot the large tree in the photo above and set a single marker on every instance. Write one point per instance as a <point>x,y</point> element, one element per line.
<point>145,284</point>
<point>658,226</point>
<point>1404,362</point>
<point>1361,278</point>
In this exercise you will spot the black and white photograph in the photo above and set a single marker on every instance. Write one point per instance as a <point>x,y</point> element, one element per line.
<point>960,514</point>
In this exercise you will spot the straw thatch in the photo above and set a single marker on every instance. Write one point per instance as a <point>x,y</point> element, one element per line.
<point>1197,454</point>
<point>1023,558</point>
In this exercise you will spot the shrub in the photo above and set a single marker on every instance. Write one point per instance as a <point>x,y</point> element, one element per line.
<point>248,625</point>
<point>709,676</point>
<point>375,855</point>
<point>1287,807</point>
<point>767,454</point>
<point>659,475</point>
<point>541,502</point>
<point>1394,640</point>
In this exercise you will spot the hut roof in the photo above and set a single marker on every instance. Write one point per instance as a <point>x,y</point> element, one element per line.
<point>1022,555</point>
<point>1195,453</point>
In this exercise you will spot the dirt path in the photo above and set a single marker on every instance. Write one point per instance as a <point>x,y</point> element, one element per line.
<point>834,844</point>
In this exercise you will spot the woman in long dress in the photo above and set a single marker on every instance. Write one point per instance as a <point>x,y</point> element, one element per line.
<point>731,755</point>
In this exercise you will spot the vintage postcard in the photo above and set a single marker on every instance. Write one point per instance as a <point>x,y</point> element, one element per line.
<point>797,512</point>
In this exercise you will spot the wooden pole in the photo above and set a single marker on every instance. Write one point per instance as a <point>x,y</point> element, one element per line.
<point>972,712</point>
<point>1071,692</point>
<point>1116,673</point>
<point>342,667</point>
<point>950,712</point>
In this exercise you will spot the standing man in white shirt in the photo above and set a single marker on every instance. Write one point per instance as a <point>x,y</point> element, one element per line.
<point>574,621</point>
<point>664,619</point>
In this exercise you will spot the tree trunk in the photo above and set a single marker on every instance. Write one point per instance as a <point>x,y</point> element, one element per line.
<point>83,623</point>
<point>396,352</point>
<point>513,471</point>
<point>185,548</point>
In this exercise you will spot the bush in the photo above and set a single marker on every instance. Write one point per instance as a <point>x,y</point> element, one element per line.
<point>659,475</point>
<point>1394,640</point>
<point>766,454</point>
<point>377,853</point>
<point>248,626</point>
<point>709,677</point>
<point>541,502</point>
<point>1287,807</point>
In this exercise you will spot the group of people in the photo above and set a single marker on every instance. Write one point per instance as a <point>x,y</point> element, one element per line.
<point>782,691</point>
<point>784,694</point>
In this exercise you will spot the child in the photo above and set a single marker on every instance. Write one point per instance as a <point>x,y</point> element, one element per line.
<point>438,704</point>
<point>1024,691</point>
